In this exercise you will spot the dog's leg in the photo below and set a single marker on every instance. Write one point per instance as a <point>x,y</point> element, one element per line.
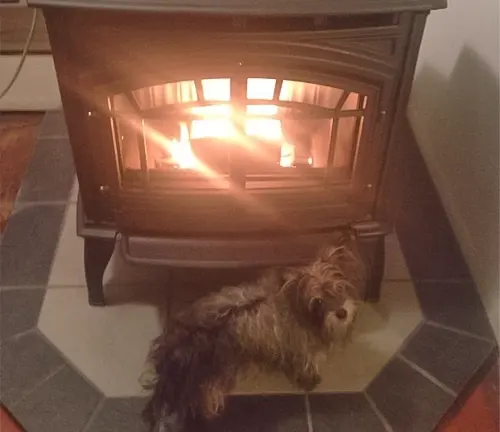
<point>309,378</point>
<point>303,371</point>
<point>213,399</point>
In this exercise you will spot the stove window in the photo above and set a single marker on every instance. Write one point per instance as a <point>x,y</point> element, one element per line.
<point>259,132</point>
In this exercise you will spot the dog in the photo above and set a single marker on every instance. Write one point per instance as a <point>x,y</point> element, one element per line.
<point>285,321</point>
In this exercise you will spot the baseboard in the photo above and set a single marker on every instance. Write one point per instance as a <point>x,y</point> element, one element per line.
<point>36,88</point>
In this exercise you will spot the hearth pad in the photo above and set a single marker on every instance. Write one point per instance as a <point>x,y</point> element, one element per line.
<point>69,367</point>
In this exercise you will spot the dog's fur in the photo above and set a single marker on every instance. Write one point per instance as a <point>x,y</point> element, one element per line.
<point>283,321</point>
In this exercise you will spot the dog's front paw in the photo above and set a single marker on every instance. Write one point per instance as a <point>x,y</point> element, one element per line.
<point>308,382</point>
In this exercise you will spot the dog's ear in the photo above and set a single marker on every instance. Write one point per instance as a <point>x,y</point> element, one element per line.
<point>332,254</point>
<point>291,273</point>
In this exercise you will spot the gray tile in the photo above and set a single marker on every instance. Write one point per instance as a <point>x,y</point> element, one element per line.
<point>53,125</point>
<point>408,400</point>
<point>25,362</point>
<point>29,244</point>
<point>454,304</point>
<point>119,415</point>
<point>63,403</point>
<point>262,413</point>
<point>50,174</point>
<point>343,413</point>
<point>450,357</point>
<point>19,310</point>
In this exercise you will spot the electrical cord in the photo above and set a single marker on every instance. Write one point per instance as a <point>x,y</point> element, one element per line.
<point>23,56</point>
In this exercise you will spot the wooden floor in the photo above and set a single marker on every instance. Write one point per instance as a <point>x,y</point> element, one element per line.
<point>18,132</point>
<point>7,423</point>
<point>480,412</point>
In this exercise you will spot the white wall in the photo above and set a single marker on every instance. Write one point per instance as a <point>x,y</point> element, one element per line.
<point>454,110</point>
<point>36,88</point>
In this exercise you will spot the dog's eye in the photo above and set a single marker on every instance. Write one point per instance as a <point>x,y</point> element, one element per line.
<point>317,306</point>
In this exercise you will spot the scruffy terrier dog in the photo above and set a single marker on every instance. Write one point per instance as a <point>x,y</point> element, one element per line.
<point>284,321</point>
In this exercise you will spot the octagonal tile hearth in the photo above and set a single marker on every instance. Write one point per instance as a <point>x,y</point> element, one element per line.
<point>97,355</point>
<point>109,345</point>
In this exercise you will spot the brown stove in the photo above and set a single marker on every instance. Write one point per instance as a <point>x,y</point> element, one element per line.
<point>233,134</point>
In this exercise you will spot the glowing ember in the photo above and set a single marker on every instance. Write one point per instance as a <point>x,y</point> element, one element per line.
<point>218,122</point>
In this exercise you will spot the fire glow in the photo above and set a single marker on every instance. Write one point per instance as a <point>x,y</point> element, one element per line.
<point>218,121</point>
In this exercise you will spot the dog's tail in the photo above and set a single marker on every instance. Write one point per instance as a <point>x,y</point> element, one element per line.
<point>182,362</point>
<point>195,362</point>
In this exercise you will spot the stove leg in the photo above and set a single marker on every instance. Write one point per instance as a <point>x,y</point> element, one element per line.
<point>371,243</point>
<point>97,253</point>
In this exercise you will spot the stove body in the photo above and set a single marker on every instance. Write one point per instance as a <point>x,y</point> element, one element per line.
<point>232,136</point>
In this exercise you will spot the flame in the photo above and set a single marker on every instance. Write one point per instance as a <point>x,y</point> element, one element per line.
<point>181,150</point>
<point>219,121</point>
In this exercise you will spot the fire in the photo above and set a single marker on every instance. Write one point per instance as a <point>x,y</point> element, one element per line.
<point>181,150</point>
<point>219,121</point>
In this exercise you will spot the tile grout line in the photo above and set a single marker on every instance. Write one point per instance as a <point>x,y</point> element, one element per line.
<point>94,414</point>
<point>427,375</point>
<point>458,331</point>
<point>397,280</point>
<point>22,287</point>
<point>22,204</point>
<point>455,281</point>
<point>37,385</point>
<point>58,243</point>
<point>68,361</point>
<point>395,355</point>
<point>51,137</point>
<point>84,286</point>
<point>378,413</point>
<point>409,338</point>
<point>40,140</point>
<point>20,335</point>
<point>308,413</point>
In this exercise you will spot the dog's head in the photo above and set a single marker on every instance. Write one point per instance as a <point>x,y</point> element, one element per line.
<point>325,294</point>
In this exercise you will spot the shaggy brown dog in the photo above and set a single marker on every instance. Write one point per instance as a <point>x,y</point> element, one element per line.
<point>283,322</point>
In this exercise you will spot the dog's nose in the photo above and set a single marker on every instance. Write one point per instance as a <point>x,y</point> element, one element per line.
<point>341,313</point>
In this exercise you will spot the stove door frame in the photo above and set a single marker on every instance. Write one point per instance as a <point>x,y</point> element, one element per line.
<point>102,63</point>
<point>312,209</point>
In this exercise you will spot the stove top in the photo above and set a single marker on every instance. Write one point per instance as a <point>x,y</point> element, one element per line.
<point>255,7</point>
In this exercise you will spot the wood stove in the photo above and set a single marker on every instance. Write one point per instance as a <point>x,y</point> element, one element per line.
<point>232,134</point>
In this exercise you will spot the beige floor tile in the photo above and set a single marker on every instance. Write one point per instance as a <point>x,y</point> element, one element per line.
<point>379,332</point>
<point>395,264</point>
<point>256,382</point>
<point>67,267</point>
<point>108,345</point>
